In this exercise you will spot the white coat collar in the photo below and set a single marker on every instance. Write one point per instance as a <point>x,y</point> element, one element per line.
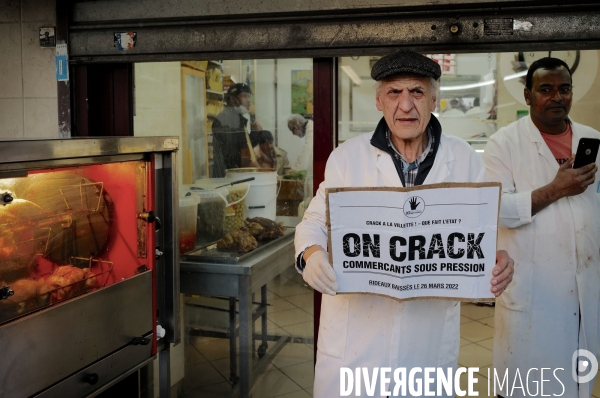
<point>536,136</point>
<point>543,149</point>
<point>386,167</point>
<point>440,170</point>
<point>576,135</point>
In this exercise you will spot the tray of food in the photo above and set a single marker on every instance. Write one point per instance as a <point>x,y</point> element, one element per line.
<point>257,234</point>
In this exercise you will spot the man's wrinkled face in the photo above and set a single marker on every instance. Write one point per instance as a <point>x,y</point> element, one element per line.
<point>297,130</point>
<point>550,96</point>
<point>406,103</point>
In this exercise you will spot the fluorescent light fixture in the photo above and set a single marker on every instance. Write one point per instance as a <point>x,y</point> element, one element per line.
<point>479,150</point>
<point>467,86</point>
<point>515,75</point>
<point>352,75</point>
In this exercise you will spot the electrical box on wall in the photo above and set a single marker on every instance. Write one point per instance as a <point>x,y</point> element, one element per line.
<point>47,37</point>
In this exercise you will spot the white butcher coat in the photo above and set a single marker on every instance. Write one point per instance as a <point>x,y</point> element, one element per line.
<point>358,330</point>
<point>557,263</point>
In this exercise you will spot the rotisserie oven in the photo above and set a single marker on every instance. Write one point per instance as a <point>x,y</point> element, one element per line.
<point>78,261</point>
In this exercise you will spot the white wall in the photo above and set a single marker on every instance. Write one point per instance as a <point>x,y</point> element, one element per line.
<point>28,95</point>
<point>266,96</point>
<point>157,101</point>
<point>475,64</point>
<point>364,115</point>
<point>285,139</point>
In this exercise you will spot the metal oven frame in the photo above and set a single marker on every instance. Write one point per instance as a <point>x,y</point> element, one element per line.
<point>81,347</point>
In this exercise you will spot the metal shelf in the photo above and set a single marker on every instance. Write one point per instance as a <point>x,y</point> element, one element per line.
<point>213,92</point>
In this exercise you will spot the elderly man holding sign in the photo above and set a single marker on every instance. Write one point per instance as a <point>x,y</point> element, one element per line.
<point>406,149</point>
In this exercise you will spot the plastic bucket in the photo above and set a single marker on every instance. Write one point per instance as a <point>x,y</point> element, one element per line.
<point>188,218</point>
<point>232,196</point>
<point>210,214</point>
<point>262,194</point>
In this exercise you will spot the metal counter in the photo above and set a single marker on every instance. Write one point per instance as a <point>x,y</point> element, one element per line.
<point>239,281</point>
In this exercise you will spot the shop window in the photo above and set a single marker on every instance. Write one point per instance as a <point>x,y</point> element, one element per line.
<point>479,92</point>
<point>245,177</point>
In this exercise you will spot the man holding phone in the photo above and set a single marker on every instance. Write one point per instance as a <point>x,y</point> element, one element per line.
<point>550,223</point>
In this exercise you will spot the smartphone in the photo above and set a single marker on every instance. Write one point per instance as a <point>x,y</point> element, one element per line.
<point>587,150</point>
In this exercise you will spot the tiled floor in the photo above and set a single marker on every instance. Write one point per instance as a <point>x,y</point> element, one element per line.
<point>476,343</point>
<point>290,375</point>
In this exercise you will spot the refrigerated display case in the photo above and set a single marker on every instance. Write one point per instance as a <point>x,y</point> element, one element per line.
<point>83,286</point>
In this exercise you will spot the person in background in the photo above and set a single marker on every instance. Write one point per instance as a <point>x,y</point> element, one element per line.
<point>231,129</point>
<point>475,110</point>
<point>550,222</point>
<point>406,149</point>
<point>302,128</point>
<point>269,156</point>
<point>454,110</point>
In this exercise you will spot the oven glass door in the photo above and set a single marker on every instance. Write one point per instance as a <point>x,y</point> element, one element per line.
<point>70,231</point>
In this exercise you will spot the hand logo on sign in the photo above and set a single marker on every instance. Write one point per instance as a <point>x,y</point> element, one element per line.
<point>411,207</point>
<point>414,203</point>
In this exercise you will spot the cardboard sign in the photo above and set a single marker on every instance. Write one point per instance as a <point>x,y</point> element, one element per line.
<point>432,241</point>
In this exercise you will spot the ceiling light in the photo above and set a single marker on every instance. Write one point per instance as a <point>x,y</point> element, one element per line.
<point>351,74</point>
<point>515,75</point>
<point>467,86</point>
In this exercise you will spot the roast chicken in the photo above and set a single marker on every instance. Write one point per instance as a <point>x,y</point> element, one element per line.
<point>269,229</point>
<point>246,238</point>
<point>239,241</point>
<point>65,282</point>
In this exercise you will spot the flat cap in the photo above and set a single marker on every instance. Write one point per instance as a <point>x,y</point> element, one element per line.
<point>405,62</point>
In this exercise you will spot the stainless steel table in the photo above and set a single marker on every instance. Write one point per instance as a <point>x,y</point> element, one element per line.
<point>240,281</point>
